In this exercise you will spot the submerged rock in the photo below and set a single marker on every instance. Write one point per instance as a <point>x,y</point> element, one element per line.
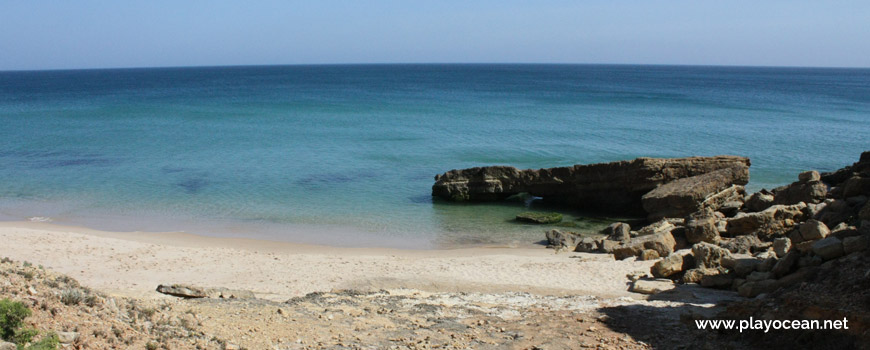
<point>539,218</point>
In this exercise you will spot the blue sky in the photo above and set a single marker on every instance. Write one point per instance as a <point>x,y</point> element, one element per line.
<point>38,34</point>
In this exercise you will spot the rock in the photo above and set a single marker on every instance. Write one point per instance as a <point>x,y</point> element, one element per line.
<point>813,230</point>
<point>742,244</point>
<point>607,246</point>
<point>856,186</point>
<point>562,239</point>
<point>651,287</point>
<point>708,255</point>
<point>856,244</point>
<point>731,208</point>
<point>648,254</point>
<point>759,201</point>
<point>785,265</point>
<point>539,218</point>
<point>67,337</point>
<point>717,281</point>
<point>781,246</point>
<point>587,245</point>
<point>743,267</point>
<point>864,214</point>
<point>701,227</point>
<point>657,227</point>
<point>753,289</point>
<point>183,291</point>
<point>698,274</point>
<point>610,187</point>
<point>7,346</point>
<point>856,201</point>
<point>809,176</point>
<point>663,243</point>
<point>758,276</point>
<point>834,213</point>
<point>618,231</point>
<point>829,248</point>
<point>673,264</point>
<point>775,220</point>
<point>189,292</point>
<point>797,192</point>
<point>684,196</point>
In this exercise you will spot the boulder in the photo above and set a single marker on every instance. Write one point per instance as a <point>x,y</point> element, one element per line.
<point>702,227</point>
<point>651,286</point>
<point>720,281</point>
<point>785,265</point>
<point>539,218</point>
<point>781,246</point>
<point>753,289</point>
<point>776,220</point>
<point>756,276</point>
<point>709,255</point>
<point>648,254</point>
<point>743,244</point>
<point>610,187</point>
<point>587,245</point>
<point>808,189</point>
<point>684,196</point>
<point>731,208</point>
<point>835,212</point>
<point>698,274</point>
<point>759,201</point>
<point>829,248</point>
<point>745,266</point>
<point>67,337</point>
<point>618,231</point>
<point>864,213</point>
<point>813,230</point>
<point>855,244</point>
<point>663,243</point>
<point>856,186</point>
<point>190,292</point>
<point>562,239</point>
<point>607,246</point>
<point>673,264</point>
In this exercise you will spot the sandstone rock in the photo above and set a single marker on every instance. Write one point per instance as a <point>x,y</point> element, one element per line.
<point>539,218</point>
<point>607,246</point>
<point>663,243</point>
<point>743,244</point>
<point>759,201</point>
<point>673,264</point>
<point>651,287</point>
<point>753,289</point>
<point>67,337</point>
<point>797,192</point>
<point>717,281</point>
<point>562,239</point>
<point>183,291</point>
<point>708,255</point>
<point>618,231</point>
<point>587,245</point>
<point>809,176</point>
<point>829,248</point>
<point>781,246</point>
<point>648,254</point>
<point>7,346</point>
<point>813,230</point>
<point>856,243</point>
<point>743,267</point>
<point>614,187</point>
<point>834,213</point>
<point>687,195</point>
<point>775,220</point>
<point>657,227</point>
<point>697,275</point>
<point>701,227</point>
<point>731,208</point>
<point>785,265</point>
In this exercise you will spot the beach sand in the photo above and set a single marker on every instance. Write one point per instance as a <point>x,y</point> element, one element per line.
<point>133,264</point>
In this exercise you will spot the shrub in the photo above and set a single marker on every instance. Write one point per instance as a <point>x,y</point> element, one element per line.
<point>48,342</point>
<point>12,314</point>
<point>24,335</point>
<point>71,297</point>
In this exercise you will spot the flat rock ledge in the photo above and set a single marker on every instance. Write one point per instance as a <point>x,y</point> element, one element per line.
<point>193,292</point>
<point>616,187</point>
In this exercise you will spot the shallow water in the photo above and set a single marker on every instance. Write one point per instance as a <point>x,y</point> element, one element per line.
<point>346,155</point>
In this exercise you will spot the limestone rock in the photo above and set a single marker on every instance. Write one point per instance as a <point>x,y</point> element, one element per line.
<point>702,227</point>
<point>618,231</point>
<point>587,245</point>
<point>539,218</point>
<point>709,255</point>
<point>809,176</point>
<point>785,265</point>
<point>717,281</point>
<point>687,195</point>
<point>856,186</point>
<point>759,201</point>
<point>183,291</point>
<point>562,239</point>
<point>663,243</point>
<point>67,337</point>
<point>648,254</point>
<point>698,274</point>
<point>743,244</point>
<point>813,230</point>
<point>673,264</point>
<point>614,187</point>
<point>775,220</point>
<point>651,287</point>
<point>829,248</point>
<point>856,244</point>
<point>781,246</point>
<point>808,189</point>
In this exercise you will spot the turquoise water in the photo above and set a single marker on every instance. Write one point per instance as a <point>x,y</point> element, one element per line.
<point>346,155</point>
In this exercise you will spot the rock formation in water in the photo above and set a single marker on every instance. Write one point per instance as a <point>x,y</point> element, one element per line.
<point>616,187</point>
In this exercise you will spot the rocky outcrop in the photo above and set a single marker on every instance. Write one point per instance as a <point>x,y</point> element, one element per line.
<point>193,292</point>
<point>682,197</point>
<point>610,187</point>
<point>808,189</point>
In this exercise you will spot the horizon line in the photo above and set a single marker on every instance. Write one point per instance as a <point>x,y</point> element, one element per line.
<point>429,64</point>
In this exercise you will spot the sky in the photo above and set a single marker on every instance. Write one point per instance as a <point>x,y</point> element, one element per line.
<point>44,34</point>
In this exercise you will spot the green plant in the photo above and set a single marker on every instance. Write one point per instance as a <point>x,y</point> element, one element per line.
<point>12,314</point>
<point>24,335</point>
<point>27,264</point>
<point>151,346</point>
<point>48,342</point>
<point>71,297</point>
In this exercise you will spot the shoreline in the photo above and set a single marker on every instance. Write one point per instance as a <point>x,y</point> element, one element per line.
<point>133,264</point>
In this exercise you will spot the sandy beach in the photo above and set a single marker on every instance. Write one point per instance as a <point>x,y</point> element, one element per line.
<point>133,264</point>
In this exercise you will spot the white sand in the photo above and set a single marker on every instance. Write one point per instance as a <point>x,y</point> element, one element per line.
<point>133,264</point>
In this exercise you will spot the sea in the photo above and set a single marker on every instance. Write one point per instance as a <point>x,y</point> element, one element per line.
<point>345,155</point>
